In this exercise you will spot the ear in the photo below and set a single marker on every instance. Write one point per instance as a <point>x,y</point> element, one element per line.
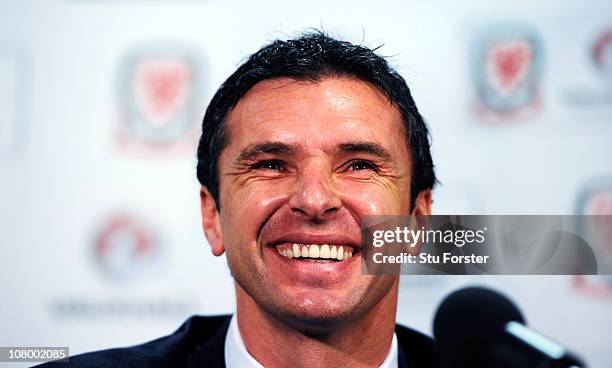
<point>422,209</point>
<point>211,222</point>
<point>422,205</point>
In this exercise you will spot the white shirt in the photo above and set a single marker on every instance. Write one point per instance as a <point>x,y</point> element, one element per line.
<point>237,356</point>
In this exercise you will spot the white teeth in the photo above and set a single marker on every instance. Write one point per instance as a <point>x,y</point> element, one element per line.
<point>324,252</point>
<point>317,251</point>
<point>313,251</point>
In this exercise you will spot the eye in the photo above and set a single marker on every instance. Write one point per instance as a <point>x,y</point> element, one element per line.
<point>276,165</point>
<point>362,165</point>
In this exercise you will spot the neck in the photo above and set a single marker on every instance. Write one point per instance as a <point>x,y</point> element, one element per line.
<point>362,342</point>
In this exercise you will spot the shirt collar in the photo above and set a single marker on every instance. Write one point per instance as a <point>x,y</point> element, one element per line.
<point>237,356</point>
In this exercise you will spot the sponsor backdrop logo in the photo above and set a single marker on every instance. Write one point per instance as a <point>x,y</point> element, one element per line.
<point>506,65</point>
<point>596,199</point>
<point>127,251</point>
<point>126,248</point>
<point>597,94</point>
<point>602,52</point>
<point>160,96</point>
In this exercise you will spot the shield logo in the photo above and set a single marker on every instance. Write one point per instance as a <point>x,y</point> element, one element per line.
<point>160,94</point>
<point>505,67</point>
<point>161,89</point>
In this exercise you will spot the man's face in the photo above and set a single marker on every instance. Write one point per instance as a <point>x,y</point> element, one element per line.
<point>305,161</point>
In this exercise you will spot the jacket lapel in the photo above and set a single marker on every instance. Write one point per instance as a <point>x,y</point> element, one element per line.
<point>210,354</point>
<point>401,358</point>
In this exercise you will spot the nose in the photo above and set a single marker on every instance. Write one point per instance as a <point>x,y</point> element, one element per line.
<point>314,195</point>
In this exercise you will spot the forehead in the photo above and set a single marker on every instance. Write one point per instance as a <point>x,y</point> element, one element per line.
<point>315,114</point>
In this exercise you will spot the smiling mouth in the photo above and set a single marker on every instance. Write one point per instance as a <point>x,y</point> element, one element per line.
<point>316,252</point>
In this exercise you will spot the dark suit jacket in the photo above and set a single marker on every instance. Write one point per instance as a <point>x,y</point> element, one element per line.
<point>200,342</point>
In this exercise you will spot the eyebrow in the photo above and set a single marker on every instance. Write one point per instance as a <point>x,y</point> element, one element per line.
<point>366,147</point>
<point>254,150</point>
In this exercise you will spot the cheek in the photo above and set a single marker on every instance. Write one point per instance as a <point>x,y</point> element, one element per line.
<point>375,199</point>
<point>247,208</point>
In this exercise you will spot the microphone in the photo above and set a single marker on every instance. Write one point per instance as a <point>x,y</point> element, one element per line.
<point>477,327</point>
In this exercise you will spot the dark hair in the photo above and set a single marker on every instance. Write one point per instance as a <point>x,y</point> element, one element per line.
<point>311,57</point>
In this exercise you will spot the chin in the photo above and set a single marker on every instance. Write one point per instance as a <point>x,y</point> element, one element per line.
<point>315,322</point>
<point>318,314</point>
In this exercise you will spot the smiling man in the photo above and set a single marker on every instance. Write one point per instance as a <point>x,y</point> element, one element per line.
<point>304,139</point>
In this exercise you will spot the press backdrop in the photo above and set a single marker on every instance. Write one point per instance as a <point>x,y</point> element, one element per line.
<point>100,240</point>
